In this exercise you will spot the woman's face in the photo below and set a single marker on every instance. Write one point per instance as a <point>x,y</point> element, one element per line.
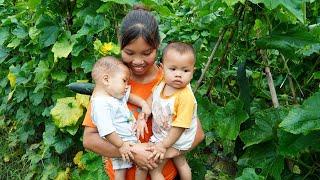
<point>139,56</point>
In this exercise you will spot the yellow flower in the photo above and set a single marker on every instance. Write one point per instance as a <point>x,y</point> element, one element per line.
<point>77,160</point>
<point>105,48</point>
<point>12,79</point>
<point>63,175</point>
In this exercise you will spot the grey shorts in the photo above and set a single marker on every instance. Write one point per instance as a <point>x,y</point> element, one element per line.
<point>118,163</point>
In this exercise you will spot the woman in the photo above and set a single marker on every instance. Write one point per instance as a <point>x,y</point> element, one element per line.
<point>139,40</point>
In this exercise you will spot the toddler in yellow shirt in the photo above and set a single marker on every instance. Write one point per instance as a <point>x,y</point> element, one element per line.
<point>174,108</point>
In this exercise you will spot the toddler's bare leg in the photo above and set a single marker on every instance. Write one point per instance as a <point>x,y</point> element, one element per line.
<point>141,174</point>
<point>156,174</point>
<point>183,167</point>
<point>120,174</point>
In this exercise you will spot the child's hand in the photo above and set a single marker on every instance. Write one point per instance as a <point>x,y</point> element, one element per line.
<point>145,112</point>
<point>140,126</point>
<point>158,152</point>
<point>125,151</point>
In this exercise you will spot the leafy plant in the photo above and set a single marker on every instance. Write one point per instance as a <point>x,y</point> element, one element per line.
<point>256,81</point>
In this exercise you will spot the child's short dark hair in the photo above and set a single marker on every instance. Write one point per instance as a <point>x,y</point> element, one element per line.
<point>106,65</point>
<point>139,23</point>
<point>180,47</point>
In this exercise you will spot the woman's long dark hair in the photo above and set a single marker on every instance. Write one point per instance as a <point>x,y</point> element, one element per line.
<point>139,23</point>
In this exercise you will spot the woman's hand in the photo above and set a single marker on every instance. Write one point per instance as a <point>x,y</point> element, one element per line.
<point>125,151</point>
<point>158,152</point>
<point>141,157</point>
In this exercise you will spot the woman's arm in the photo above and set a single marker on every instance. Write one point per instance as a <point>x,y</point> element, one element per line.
<point>199,135</point>
<point>93,142</point>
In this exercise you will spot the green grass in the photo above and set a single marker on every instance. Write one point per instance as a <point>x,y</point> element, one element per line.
<point>11,165</point>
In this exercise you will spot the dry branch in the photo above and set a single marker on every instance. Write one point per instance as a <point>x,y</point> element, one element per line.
<point>222,60</point>
<point>222,32</point>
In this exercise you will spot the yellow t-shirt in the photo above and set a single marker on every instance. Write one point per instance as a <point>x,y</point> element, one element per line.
<point>177,110</point>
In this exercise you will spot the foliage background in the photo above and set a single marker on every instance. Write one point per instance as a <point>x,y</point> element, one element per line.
<point>45,45</point>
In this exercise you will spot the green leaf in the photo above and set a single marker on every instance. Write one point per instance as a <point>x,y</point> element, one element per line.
<point>3,53</point>
<point>79,46</point>
<point>22,114</point>
<point>296,7</point>
<point>59,76</point>
<point>62,48</point>
<point>49,135</point>
<point>232,2</point>
<point>293,145</point>
<point>303,119</point>
<point>14,43</point>
<point>97,44</point>
<point>20,94</point>
<point>93,167</point>
<point>206,111</point>
<point>63,175</point>
<point>263,130</point>
<point>63,144</point>
<point>70,129</point>
<point>260,28</point>
<point>49,171</point>
<point>36,98</point>
<point>61,92</point>
<point>316,75</point>
<point>128,2</point>
<point>4,34</point>
<point>33,32</point>
<point>40,86</point>
<point>59,141</point>
<point>21,73</point>
<point>265,157</point>
<point>3,83</point>
<point>49,30</point>
<point>210,137</point>
<point>84,100</point>
<point>42,71</point>
<point>93,25</point>
<point>159,7</point>
<point>87,64</point>
<point>12,79</point>
<point>228,119</point>
<point>195,37</point>
<point>33,4</point>
<point>10,95</point>
<point>46,112</point>
<point>249,174</point>
<point>25,132</point>
<point>20,32</point>
<point>76,62</point>
<point>66,112</point>
<point>163,10</point>
<point>309,49</point>
<point>297,41</point>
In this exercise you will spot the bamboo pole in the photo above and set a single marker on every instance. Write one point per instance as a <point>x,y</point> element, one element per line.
<point>238,13</point>
<point>222,60</point>
<point>272,89</point>
<point>222,32</point>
